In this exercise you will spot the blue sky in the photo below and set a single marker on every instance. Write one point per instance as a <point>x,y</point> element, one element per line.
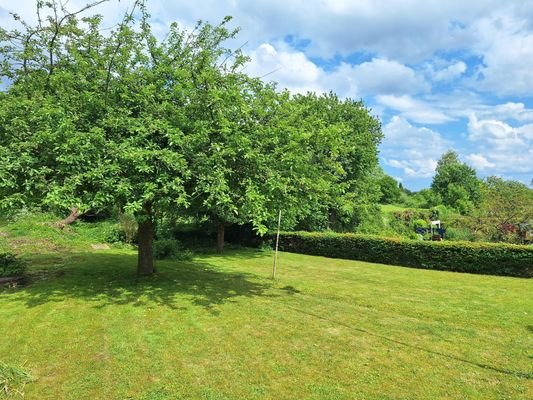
<point>439,74</point>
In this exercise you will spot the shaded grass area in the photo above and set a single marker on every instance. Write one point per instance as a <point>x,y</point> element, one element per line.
<point>218,328</point>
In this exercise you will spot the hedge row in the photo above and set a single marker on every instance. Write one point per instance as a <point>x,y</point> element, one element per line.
<point>477,258</point>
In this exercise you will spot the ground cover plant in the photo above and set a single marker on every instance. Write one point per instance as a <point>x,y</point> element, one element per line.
<point>217,327</point>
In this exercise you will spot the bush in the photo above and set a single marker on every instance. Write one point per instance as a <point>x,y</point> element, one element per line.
<point>480,258</point>
<point>420,223</point>
<point>10,265</point>
<point>102,232</point>
<point>170,249</point>
<point>460,234</point>
<point>128,228</point>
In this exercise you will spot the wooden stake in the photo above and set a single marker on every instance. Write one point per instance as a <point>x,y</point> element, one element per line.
<point>277,244</point>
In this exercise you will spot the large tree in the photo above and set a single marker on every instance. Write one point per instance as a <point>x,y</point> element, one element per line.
<point>343,143</point>
<point>93,120</point>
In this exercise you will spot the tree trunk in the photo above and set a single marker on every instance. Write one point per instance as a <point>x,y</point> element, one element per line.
<point>220,237</point>
<point>145,259</point>
<point>74,215</point>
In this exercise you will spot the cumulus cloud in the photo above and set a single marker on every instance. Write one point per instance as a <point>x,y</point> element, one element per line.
<point>499,134</point>
<point>386,76</point>
<point>505,43</point>
<point>292,69</point>
<point>413,109</point>
<point>505,149</point>
<point>479,162</point>
<point>448,73</point>
<point>414,150</point>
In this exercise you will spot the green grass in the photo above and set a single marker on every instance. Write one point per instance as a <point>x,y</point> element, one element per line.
<point>13,380</point>
<point>390,208</point>
<point>218,327</point>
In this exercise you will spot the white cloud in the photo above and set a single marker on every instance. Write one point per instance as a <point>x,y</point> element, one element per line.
<point>505,149</point>
<point>412,149</point>
<point>479,162</point>
<point>499,134</point>
<point>450,72</point>
<point>387,77</point>
<point>509,110</point>
<point>294,70</point>
<point>413,109</point>
<point>291,69</point>
<point>506,45</point>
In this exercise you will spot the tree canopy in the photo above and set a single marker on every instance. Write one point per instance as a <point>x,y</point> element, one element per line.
<point>456,183</point>
<point>93,119</point>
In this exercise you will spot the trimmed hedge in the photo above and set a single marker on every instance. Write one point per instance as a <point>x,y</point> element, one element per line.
<point>476,258</point>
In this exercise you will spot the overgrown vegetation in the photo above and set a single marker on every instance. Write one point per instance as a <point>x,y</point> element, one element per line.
<point>10,265</point>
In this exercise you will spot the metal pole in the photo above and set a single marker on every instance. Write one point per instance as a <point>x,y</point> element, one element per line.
<point>277,244</point>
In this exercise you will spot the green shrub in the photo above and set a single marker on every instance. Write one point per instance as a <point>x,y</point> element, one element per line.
<point>460,234</point>
<point>10,265</point>
<point>101,232</point>
<point>128,228</point>
<point>480,258</point>
<point>170,249</point>
<point>420,223</point>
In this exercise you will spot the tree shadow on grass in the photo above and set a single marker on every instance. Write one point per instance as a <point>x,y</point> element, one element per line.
<point>110,279</point>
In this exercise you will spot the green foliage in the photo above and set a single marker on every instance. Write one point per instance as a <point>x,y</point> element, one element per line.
<point>425,198</point>
<point>119,119</point>
<point>100,232</point>
<point>420,223</point>
<point>505,205</point>
<point>390,190</point>
<point>480,258</point>
<point>128,227</point>
<point>460,234</point>
<point>170,249</point>
<point>456,183</point>
<point>13,380</point>
<point>371,222</point>
<point>10,265</point>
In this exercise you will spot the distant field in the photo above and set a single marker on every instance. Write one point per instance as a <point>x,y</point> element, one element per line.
<point>219,328</point>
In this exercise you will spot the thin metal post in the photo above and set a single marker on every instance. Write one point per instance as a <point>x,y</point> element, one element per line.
<point>277,244</point>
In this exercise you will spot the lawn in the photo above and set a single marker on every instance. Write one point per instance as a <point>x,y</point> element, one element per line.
<point>218,327</point>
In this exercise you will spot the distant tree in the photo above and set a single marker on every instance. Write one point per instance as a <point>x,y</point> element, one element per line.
<point>390,190</point>
<point>456,183</point>
<point>425,198</point>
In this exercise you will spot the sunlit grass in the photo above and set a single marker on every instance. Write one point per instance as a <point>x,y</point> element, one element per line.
<point>219,328</point>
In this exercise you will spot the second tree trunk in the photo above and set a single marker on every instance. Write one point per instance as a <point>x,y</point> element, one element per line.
<point>220,237</point>
<point>145,260</point>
